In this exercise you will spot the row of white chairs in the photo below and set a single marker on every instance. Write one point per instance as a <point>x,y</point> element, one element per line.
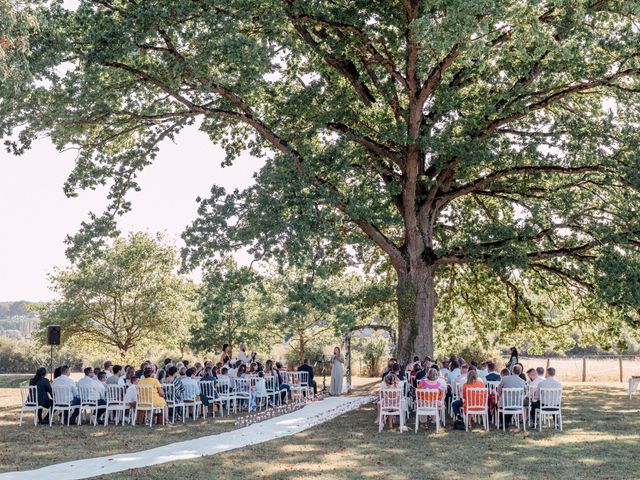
<point>227,392</point>
<point>430,403</point>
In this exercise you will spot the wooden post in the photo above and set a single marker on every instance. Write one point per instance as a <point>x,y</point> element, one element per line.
<point>348,359</point>
<point>584,369</point>
<point>545,371</point>
<point>620,363</point>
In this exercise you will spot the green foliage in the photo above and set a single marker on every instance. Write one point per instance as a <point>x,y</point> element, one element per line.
<point>21,356</point>
<point>312,351</point>
<point>124,299</point>
<point>497,140</point>
<point>373,352</point>
<point>233,306</point>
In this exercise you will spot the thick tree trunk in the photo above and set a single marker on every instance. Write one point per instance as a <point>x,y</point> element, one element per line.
<point>417,300</point>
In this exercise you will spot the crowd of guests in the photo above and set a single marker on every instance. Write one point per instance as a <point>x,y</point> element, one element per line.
<point>453,377</point>
<point>185,377</point>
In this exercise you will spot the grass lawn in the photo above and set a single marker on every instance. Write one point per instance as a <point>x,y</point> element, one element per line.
<point>601,441</point>
<point>10,380</point>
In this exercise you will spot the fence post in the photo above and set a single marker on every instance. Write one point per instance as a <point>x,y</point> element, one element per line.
<point>620,363</point>
<point>584,369</point>
<point>545,371</point>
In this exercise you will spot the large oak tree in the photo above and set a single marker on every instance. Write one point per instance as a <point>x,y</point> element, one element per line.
<point>452,135</point>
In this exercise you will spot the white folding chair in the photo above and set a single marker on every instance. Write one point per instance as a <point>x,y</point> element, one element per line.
<point>262,396</point>
<point>29,395</point>
<point>492,387</point>
<point>207,390</point>
<point>391,406</point>
<point>241,393</point>
<point>512,403</point>
<point>62,399</point>
<point>295,386</point>
<point>223,394</point>
<point>476,405</point>
<point>272,393</point>
<point>169,390</point>
<point>190,399</point>
<point>115,404</point>
<point>550,407</point>
<point>88,403</point>
<point>145,403</point>
<point>429,403</point>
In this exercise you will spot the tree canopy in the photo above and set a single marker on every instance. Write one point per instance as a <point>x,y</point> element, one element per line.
<point>490,141</point>
<point>125,298</point>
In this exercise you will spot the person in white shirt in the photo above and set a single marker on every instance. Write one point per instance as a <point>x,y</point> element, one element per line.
<point>131,395</point>
<point>534,392</point>
<point>108,368</point>
<point>96,389</point>
<point>453,373</point>
<point>65,380</point>
<point>548,382</point>
<point>242,354</point>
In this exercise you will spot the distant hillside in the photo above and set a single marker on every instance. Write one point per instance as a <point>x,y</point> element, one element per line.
<point>16,321</point>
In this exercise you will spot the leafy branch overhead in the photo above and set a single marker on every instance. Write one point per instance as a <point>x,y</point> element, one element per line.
<point>462,135</point>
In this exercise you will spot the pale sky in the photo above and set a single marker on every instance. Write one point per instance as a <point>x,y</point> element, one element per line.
<point>35,215</point>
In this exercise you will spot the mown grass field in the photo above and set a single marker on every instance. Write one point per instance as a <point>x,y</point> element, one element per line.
<point>601,441</point>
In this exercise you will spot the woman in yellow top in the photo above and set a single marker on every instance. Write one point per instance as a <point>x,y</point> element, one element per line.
<point>157,395</point>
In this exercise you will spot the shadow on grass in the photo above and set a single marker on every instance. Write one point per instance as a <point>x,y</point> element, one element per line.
<point>601,440</point>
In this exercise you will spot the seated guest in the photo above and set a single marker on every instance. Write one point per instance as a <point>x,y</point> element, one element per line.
<point>65,380</point>
<point>175,379</point>
<point>492,376</point>
<point>397,371</point>
<point>420,374</point>
<point>454,372</point>
<point>44,392</point>
<point>95,388</point>
<point>510,381</point>
<point>430,381</point>
<point>129,374</point>
<point>241,371</point>
<point>472,381</point>
<point>305,367</point>
<point>460,379</point>
<point>161,375</point>
<point>444,369</point>
<point>167,364</point>
<point>483,371</point>
<point>540,371</point>
<point>534,393</point>
<point>208,375</point>
<point>140,373</point>
<point>283,381</point>
<point>117,378</point>
<point>108,368</point>
<point>131,395</point>
<point>550,380</point>
<point>192,387</point>
<point>390,382</point>
<point>521,375</point>
<point>156,391</point>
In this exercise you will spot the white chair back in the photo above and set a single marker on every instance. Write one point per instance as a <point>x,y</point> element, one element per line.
<point>29,395</point>
<point>88,395</point>
<point>512,398</point>
<point>428,398</point>
<point>550,399</point>
<point>115,394</point>
<point>242,388</point>
<point>476,400</point>
<point>207,389</point>
<point>391,399</point>
<point>190,391</point>
<point>62,395</point>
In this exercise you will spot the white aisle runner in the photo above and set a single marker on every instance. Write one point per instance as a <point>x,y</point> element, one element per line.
<point>308,416</point>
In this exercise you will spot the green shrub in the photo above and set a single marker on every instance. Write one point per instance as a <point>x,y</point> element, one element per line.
<point>373,352</point>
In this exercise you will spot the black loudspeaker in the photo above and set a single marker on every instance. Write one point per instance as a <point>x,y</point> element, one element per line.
<point>53,335</point>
